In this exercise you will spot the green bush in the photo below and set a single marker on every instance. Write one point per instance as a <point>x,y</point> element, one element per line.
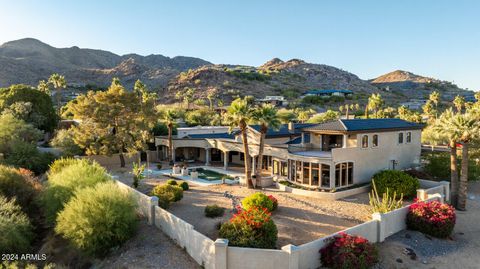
<point>14,185</point>
<point>251,228</point>
<point>98,218</point>
<point>258,199</point>
<point>172,182</point>
<point>169,192</point>
<point>438,166</point>
<point>62,185</point>
<point>27,156</point>
<point>213,211</point>
<point>61,163</point>
<point>64,140</point>
<point>396,181</point>
<point>15,227</point>
<point>184,185</point>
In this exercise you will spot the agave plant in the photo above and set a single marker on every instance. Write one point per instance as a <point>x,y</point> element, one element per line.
<point>387,203</point>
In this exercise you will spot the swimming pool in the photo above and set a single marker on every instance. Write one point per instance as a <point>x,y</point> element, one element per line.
<point>211,175</point>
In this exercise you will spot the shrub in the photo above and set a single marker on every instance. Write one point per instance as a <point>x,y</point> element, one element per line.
<point>16,184</point>
<point>61,163</point>
<point>62,185</point>
<point>258,199</point>
<point>184,186</point>
<point>138,175</point>
<point>433,218</point>
<point>27,156</point>
<point>386,204</point>
<point>250,228</point>
<point>170,192</point>
<point>15,227</point>
<point>274,201</point>
<point>213,211</point>
<point>98,218</point>
<point>159,166</point>
<point>64,140</point>
<point>172,182</point>
<point>348,251</point>
<point>397,182</point>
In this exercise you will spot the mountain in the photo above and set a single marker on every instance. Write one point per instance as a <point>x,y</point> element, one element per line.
<point>275,77</point>
<point>29,60</point>
<point>414,86</point>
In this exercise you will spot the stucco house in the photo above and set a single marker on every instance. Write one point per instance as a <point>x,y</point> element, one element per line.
<point>330,155</point>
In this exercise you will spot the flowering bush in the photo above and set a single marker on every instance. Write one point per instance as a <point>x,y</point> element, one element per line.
<point>274,201</point>
<point>260,200</point>
<point>348,251</point>
<point>433,218</point>
<point>252,228</point>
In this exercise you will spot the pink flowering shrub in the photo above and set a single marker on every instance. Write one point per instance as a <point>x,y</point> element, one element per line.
<point>348,251</point>
<point>432,218</point>
<point>274,201</point>
<point>252,227</point>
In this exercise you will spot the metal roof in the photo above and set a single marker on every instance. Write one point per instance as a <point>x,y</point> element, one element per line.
<point>283,130</point>
<point>215,135</point>
<point>328,91</point>
<point>352,125</point>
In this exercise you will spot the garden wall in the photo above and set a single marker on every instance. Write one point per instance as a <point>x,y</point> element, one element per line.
<point>324,195</point>
<point>112,160</point>
<point>218,255</point>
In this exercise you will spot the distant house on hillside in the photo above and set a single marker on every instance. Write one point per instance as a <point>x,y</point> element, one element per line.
<point>414,104</point>
<point>328,93</point>
<point>274,100</point>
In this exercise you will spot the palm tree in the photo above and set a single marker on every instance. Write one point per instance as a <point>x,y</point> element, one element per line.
<point>211,95</point>
<point>266,116</point>
<point>429,110</point>
<point>238,114</point>
<point>435,98</point>
<point>169,118</point>
<point>443,126</point>
<point>43,86</point>
<point>58,82</point>
<point>468,128</point>
<point>459,102</point>
<point>375,102</point>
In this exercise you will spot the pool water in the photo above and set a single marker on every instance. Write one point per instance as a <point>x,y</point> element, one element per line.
<point>211,175</point>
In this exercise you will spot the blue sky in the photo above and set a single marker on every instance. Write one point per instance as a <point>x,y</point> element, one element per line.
<point>433,38</point>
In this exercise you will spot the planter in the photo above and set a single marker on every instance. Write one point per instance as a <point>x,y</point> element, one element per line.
<point>194,175</point>
<point>184,172</point>
<point>176,170</point>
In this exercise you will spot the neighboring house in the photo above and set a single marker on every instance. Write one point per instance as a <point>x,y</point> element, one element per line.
<point>328,93</point>
<point>274,100</point>
<point>414,104</point>
<point>331,155</point>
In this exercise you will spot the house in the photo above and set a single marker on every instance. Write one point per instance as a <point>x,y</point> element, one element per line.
<point>274,100</point>
<point>414,104</point>
<point>328,93</point>
<point>330,155</point>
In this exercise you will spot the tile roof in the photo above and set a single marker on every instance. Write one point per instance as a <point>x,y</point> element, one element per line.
<point>364,125</point>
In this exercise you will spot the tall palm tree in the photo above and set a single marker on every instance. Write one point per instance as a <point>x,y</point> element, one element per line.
<point>43,86</point>
<point>59,83</point>
<point>435,98</point>
<point>266,116</point>
<point>443,126</point>
<point>375,103</point>
<point>238,114</point>
<point>459,102</point>
<point>169,118</point>
<point>467,126</point>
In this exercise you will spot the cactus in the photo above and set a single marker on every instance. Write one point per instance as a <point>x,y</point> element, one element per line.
<point>386,204</point>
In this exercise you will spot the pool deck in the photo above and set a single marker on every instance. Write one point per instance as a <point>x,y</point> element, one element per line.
<point>202,182</point>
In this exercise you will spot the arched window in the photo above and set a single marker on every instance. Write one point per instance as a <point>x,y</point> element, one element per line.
<point>409,137</point>
<point>400,138</point>
<point>375,141</point>
<point>365,141</point>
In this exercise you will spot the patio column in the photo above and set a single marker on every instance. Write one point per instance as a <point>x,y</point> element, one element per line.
<point>344,141</point>
<point>332,175</point>
<point>225,159</point>
<point>158,153</point>
<point>303,138</point>
<point>173,154</point>
<point>207,156</point>
<point>253,165</point>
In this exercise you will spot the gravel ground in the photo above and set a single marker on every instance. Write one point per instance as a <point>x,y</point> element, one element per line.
<point>149,248</point>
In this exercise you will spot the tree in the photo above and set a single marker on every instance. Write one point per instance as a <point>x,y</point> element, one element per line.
<point>435,98</point>
<point>203,117</point>
<point>323,117</point>
<point>113,121</point>
<point>347,108</point>
<point>29,104</point>
<point>142,91</point>
<point>459,102</point>
<point>375,103</point>
<point>169,118</point>
<point>467,126</point>
<point>188,96</point>
<point>266,117</point>
<point>238,114</point>
<point>211,95</point>
<point>285,116</point>
<point>44,87</point>
<point>59,83</point>
<point>429,110</point>
<point>14,131</point>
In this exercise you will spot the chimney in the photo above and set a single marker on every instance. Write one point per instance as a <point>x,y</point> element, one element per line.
<point>291,127</point>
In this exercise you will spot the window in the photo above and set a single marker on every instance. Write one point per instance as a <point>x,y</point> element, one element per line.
<point>343,174</point>
<point>306,173</point>
<point>284,168</point>
<point>242,156</point>
<point>375,141</point>
<point>276,168</point>
<point>409,137</point>
<point>315,174</point>
<point>365,141</point>
<point>400,138</point>
<point>325,175</point>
